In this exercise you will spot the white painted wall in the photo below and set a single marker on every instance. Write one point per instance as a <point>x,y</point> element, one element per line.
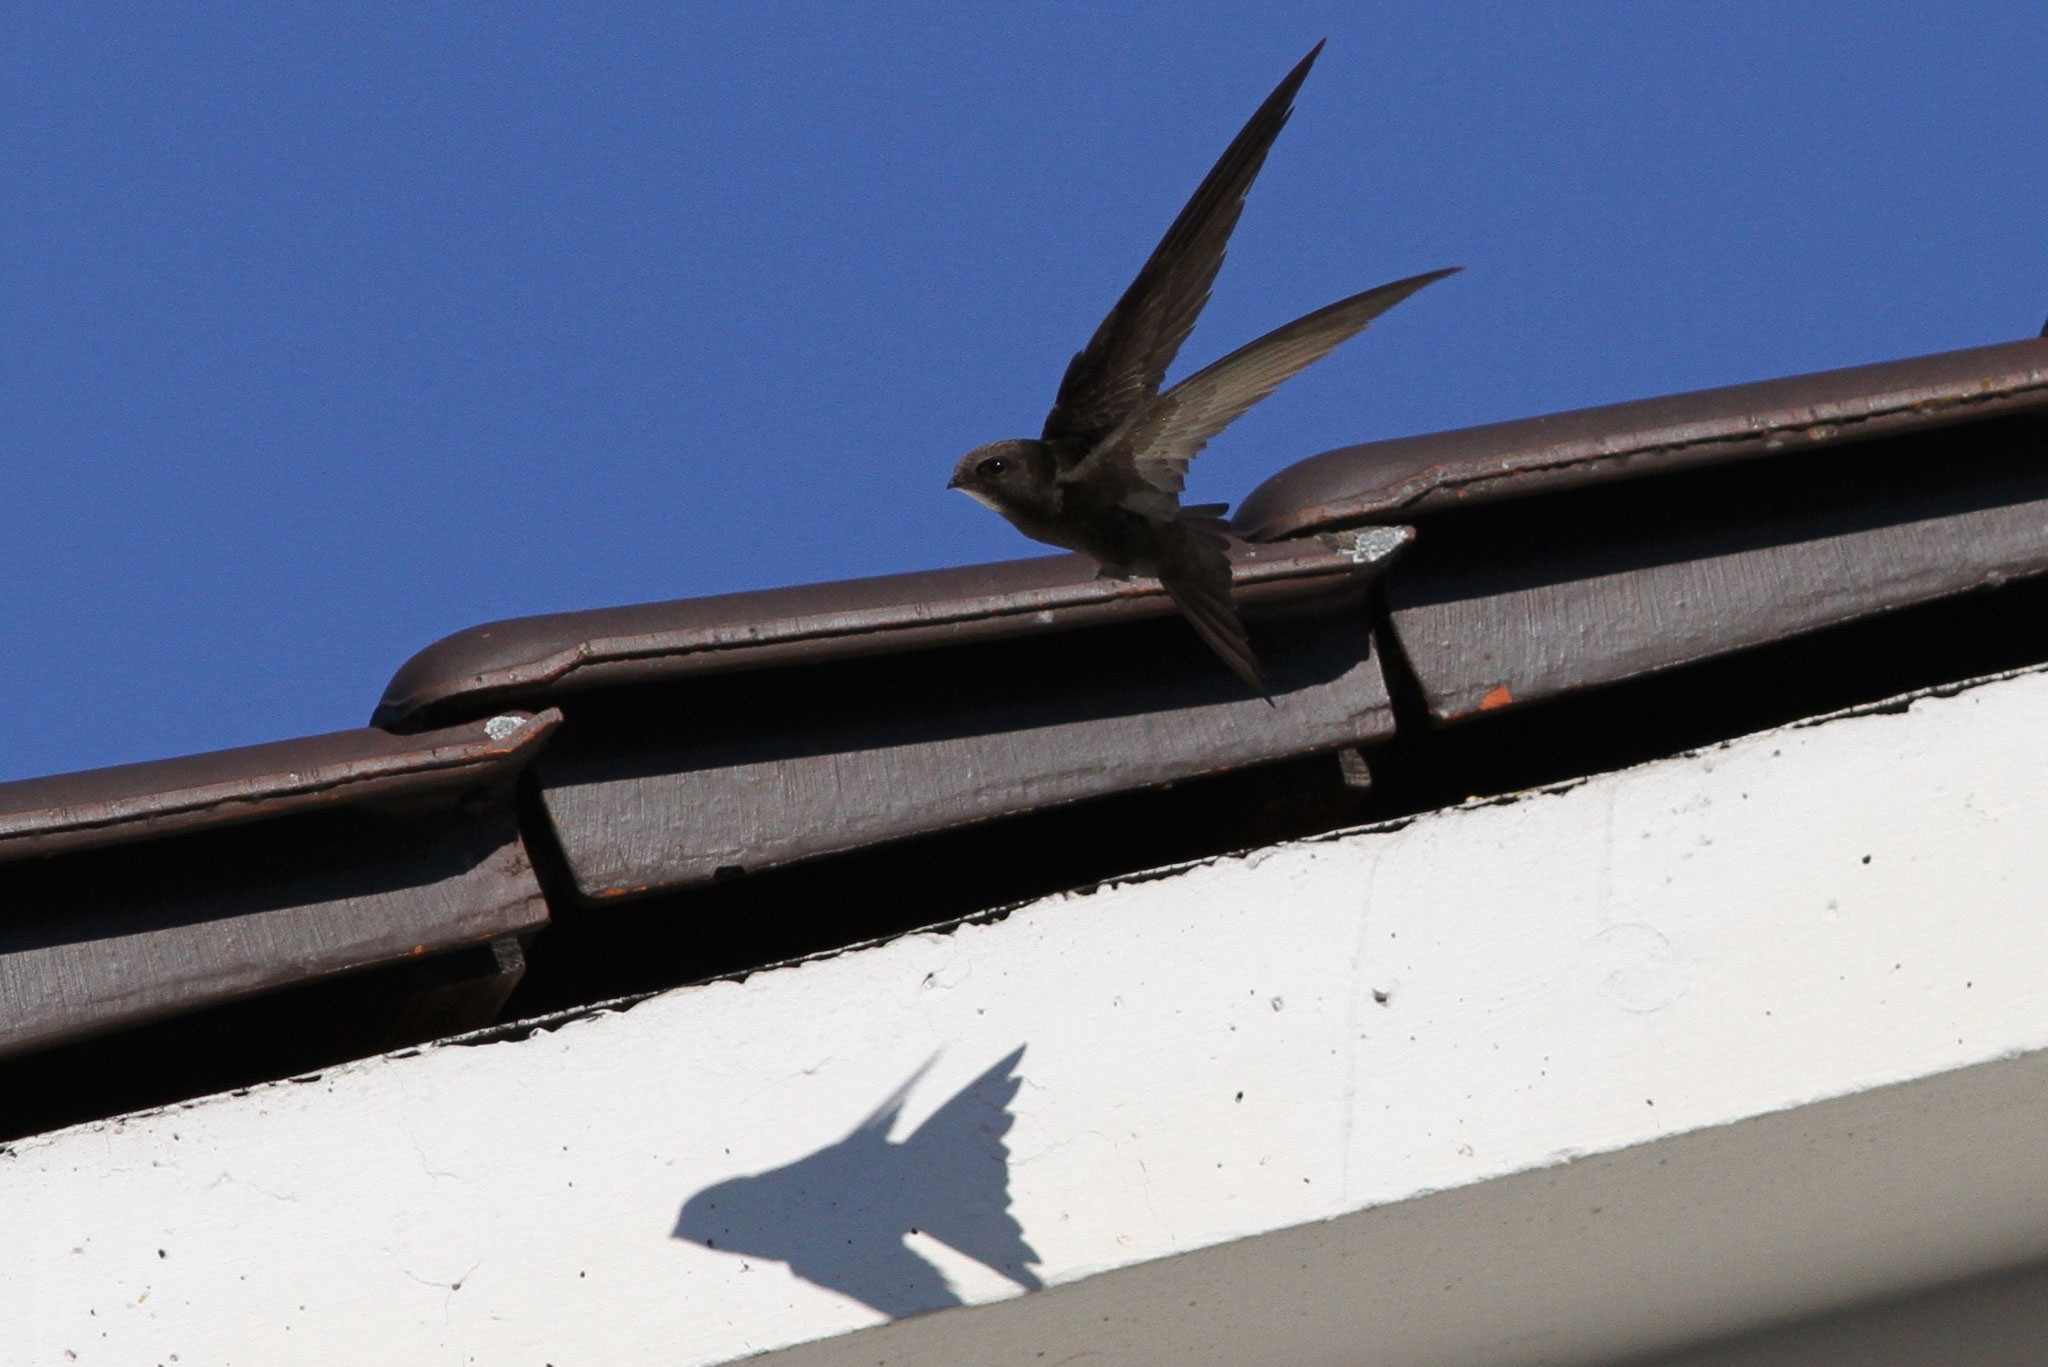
<point>1804,914</point>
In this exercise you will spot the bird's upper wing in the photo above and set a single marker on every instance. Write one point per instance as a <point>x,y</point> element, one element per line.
<point>1143,464</point>
<point>1125,362</point>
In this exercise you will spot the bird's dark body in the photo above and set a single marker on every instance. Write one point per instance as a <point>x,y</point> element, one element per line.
<point>1081,516</point>
<point>1104,477</point>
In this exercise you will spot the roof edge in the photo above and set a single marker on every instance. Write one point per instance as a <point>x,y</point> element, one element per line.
<point>517,659</point>
<point>1413,475</point>
<point>42,816</point>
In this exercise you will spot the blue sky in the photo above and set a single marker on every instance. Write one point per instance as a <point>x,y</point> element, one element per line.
<point>328,330</point>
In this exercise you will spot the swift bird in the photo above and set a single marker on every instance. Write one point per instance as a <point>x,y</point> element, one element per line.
<point>1105,475</point>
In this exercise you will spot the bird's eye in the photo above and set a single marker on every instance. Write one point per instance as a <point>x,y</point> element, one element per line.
<point>992,467</point>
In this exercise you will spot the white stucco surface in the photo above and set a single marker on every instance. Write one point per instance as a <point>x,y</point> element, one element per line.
<point>1211,1054</point>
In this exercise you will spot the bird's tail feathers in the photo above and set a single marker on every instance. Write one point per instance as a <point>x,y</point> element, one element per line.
<point>1203,597</point>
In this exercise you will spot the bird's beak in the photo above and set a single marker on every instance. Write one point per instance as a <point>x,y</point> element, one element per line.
<point>954,482</point>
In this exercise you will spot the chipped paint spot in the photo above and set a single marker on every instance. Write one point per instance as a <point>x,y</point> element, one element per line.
<point>1498,697</point>
<point>1368,545</point>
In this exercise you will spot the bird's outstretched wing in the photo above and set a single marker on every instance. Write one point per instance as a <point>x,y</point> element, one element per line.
<point>1143,464</point>
<point>1125,362</point>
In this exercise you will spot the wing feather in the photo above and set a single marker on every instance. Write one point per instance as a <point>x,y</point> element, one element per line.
<point>1149,454</point>
<point>1125,362</point>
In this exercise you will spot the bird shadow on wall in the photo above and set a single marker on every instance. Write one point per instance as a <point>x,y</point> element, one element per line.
<point>839,1216</point>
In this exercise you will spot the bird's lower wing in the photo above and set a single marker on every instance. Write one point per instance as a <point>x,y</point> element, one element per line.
<point>1150,452</point>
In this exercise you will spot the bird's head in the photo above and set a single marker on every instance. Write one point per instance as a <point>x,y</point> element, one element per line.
<point>1004,475</point>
